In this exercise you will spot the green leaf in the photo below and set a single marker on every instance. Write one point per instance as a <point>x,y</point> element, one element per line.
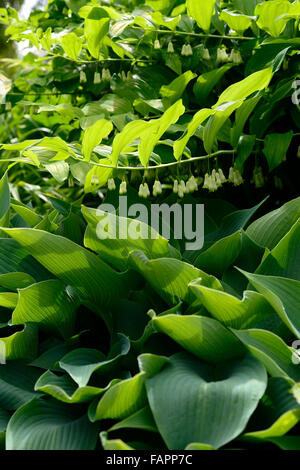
<point>207,81</point>
<point>284,296</point>
<point>202,12</point>
<point>170,277</point>
<point>8,299</point>
<point>235,313</point>
<point>113,444</point>
<point>121,400</point>
<point>42,425</point>
<point>142,419</point>
<point>204,337</point>
<point>63,388</point>
<point>115,249</point>
<point>132,131</point>
<point>241,116</point>
<point>4,196</point>
<point>271,351</point>
<point>244,149</point>
<point>71,263</point>
<point>236,21</point>
<point>72,45</point>
<point>17,385</point>
<point>28,215</point>
<point>21,344</point>
<point>50,305</point>
<point>14,281</point>
<point>194,402</point>
<point>172,92</point>
<point>281,220</point>
<point>285,411</point>
<point>269,16</point>
<point>95,30</point>
<point>94,135</point>
<point>276,147</point>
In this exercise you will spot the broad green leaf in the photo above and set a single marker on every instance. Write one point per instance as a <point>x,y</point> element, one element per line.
<point>236,21</point>
<point>113,444</point>
<point>202,11</point>
<point>284,296</point>
<point>121,400</point>
<point>276,147</point>
<point>241,90</point>
<point>17,384</point>
<point>241,116</point>
<point>197,446</point>
<point>97,176</point>
<point>14,281</point>
<point>244,150</point>
<point>126,235</point>
<point>194,402</point>
<point>28,215</point>
<point>141,419</point>
<point>157,128</point>
<point>82,362</point>
<point>221,255</point>
<point>271,351</point>
<point>71,263</point>
<point>50,305</point>
<point>284,259</point>
<point>230,310</point>
<point>197,120</point>
<point>72,45</point>
<point>94,135</point>
<point>285,411</point>
<point>8,300</point>
<point>132,131</point>
<point>59,170</point>
<point>95,30</point>
<point>21,344</point>
<point>269,16</point>
<point>63,388</point>
<point>172,92</point>
<point>43,425</point>
<point>56,144</point>
<point>170,277</point>
<point>4,418</point>
<point>204,337</point>
<point>281,220</point>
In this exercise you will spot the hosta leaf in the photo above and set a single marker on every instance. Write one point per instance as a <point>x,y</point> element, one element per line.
<point>50,305</point>
<point>93,136</point>
<point>113,444</point>
<point>285,411</point>
<point>43,425</point>
<point>72,45</point>
<point>8,299</point>
<point>230,310</point>
<point>142,419</point>
<point>170,277</point>
<point>202,11</point>
<point>281,220</point>
<point>116,249</point>
<point>269,14</point>
<point>71,263</point>
<point>194,402</point>
<point>17,384</point>
<point>271,351</point>
<point>64,389</point>
<point>121,400</point>
<point>14,281</point>
<point>276,147</point>
<point>284,296</point>
<point>82,362</point>
<point>21,344</point>
<point>204,337</point>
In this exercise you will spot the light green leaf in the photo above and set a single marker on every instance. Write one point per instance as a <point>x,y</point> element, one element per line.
<point>14,281</point>
<point>132,131</point>
<point>236,21</point>
<point>95,29</point>
<point>72,45</point>
<point>207,81</point>
<point>269,14</point>
<point>172,92</point>
<point>94,135</point>
<point>21,344</point>
<point>113,444</point>
<point>142,419</point>
<point>202,11</point>
<point>4,196</point>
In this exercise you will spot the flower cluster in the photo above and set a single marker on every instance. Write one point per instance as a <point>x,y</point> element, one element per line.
<point>214,181</point>
<point>235,56</point>
<point>186,50</point>
<point>144,190</point>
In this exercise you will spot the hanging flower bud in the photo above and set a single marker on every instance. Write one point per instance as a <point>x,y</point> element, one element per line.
<point>146,191</point>
<point>157,44</point>
<point>235,57</point>
<point>82,76</point>
<point>123,187</point>
<point>129,75</point>
<point>258,177</point>
<point>216,177</point>
<point>157,188</point>
<point>170,47</point>
<point>111,184</point>
<point>8,106</point>
<point>191,185</point>
<point>222,176</point>
<point>210,182</point>
<point>106,75</point>
<point>235,177</point>
<point>222,55</point>
<point>141,190</point>
<point>206,54</point>
<point>186,50</point>
<point>123,76</point>
<point>97,78</point>
<point>181,189</point>
<point>175,187</point>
